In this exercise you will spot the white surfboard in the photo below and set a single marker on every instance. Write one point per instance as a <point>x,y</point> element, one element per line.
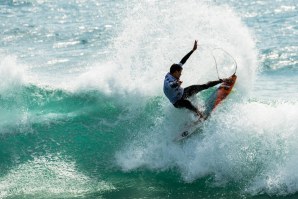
<point>188,130</point>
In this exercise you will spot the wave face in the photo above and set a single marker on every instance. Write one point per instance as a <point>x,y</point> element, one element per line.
<point>82,113</point>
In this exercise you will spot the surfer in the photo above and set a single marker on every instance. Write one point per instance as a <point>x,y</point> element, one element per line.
<point>177,95</point>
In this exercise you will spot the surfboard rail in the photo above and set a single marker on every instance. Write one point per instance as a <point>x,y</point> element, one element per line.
<point>219,95</point>
<point>213,101</point>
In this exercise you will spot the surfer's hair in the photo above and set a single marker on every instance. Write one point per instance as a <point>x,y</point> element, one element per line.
<point>175,67</point>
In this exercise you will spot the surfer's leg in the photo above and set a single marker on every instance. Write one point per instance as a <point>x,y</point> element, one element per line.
<point>194,89</point>
<point>183,103</point>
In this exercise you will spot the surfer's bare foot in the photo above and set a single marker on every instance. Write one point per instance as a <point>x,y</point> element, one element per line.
<point>228,80</point>
<point>201,116</point>
<point>204,117</point>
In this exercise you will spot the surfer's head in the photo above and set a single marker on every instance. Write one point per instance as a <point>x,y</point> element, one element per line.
<point>176,70</point>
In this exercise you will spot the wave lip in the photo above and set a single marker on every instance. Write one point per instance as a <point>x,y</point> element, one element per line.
<point>12,74</point>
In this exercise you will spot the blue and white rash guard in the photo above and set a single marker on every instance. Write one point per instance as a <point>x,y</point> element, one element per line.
<point>172,89</point>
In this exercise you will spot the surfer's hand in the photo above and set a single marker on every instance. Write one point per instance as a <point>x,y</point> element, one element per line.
<point>195,46</point>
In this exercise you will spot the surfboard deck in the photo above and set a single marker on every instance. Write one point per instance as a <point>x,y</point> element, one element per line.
<point>211,103</point>
<point>188,130</point>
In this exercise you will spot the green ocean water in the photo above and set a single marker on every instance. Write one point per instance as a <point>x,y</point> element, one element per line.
<point>82,113</point>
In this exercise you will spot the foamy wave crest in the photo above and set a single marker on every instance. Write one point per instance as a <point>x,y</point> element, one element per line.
<point>279,149</point>
<point>254,148</point>
<point>281,180</point>
<point>153,37</point>
<point>12,74</point>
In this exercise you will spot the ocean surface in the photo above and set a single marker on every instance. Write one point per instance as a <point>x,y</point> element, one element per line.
<point>83,114</point>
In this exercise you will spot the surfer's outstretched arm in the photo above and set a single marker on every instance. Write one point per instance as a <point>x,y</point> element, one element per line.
<point>185,58</point>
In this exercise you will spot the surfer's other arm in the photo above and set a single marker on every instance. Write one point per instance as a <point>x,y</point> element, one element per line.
<point>185,58</point>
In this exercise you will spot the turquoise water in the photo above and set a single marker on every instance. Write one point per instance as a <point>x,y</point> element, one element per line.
<point>82,113</point>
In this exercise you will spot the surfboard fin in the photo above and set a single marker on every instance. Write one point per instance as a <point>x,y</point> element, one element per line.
<point>185,133</point>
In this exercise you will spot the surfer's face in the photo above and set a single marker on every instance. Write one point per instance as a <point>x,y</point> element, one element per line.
<point>177,74</point>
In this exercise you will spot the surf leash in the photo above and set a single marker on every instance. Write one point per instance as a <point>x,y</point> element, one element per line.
<point>216,61</point>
